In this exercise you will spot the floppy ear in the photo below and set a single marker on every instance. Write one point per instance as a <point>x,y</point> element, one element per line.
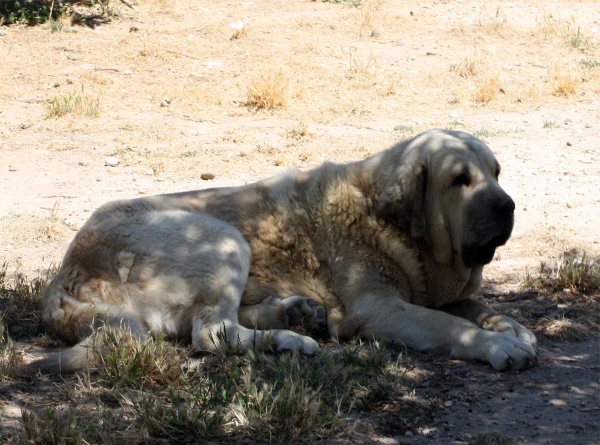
<point>402,201</point>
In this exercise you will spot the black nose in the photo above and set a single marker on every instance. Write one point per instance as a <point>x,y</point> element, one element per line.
<point>504,206</point>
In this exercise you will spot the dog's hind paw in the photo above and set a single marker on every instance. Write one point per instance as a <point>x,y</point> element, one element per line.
<point>305,312</point>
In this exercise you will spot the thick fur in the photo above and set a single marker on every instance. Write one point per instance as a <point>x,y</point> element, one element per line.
<point>392,247</point>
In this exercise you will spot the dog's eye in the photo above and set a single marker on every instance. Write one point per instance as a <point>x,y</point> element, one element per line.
<point>461,180</point>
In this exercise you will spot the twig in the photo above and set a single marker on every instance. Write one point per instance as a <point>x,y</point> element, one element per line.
<point>128,3</point>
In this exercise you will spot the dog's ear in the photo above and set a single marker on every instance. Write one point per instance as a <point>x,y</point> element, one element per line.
<point>402,201</point>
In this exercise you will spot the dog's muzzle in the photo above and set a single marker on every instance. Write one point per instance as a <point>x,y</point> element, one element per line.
<point>482,253</point>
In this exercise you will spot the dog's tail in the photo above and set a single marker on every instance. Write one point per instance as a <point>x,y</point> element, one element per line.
<point>69,360</point>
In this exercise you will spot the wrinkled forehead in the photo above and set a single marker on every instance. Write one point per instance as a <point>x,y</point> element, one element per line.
<point>459,150</point>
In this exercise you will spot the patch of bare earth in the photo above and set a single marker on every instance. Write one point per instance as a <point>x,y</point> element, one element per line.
<point>180,89</point>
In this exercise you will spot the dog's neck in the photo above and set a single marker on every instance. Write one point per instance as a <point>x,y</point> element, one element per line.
<point>448,283</point>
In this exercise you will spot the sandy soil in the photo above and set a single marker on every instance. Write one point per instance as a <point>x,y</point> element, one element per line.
<point>164,90</point>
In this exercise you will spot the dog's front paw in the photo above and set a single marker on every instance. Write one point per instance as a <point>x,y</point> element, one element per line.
<point>505,352</point>
<point>502,323</point>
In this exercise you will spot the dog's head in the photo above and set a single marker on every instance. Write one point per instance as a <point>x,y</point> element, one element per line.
<point>442,186</point>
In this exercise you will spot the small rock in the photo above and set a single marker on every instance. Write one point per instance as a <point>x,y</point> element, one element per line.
<point>408,434</point>
<point>448,403</point>
<point>207,176</point>
<point>134,29</point>
<point>212,63</point>
<point>165,103</point>
<point>401,128</point>
<point>569,144</point>
<point>150,172</point>
<point>568,205</point>
<point>83,163</point>
<point>12,168</point>
<point>141,192</point>
<point>2,32</point>
<point>160,179</point>
<point>111,161</point>
<point>70,81</point>
<point>237,25</point>
<point>459,442</point>
<point>127,72</point>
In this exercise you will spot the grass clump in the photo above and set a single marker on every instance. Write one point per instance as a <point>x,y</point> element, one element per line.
<point>20,298</point>
<point>31,12</point>
<point>569,289</point>
<point>267,91</point>
<point>10,358</point>
<point>590,64</point>
<point>572,271</point>
<point>74,101</point>
<point>123,361</point>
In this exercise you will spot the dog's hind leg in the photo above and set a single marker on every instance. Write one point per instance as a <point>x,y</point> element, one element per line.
<point>75,319</point>
<point>215,314</point>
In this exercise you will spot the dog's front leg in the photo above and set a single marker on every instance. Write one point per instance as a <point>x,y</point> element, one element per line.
<point>487,318</point>
<point>431,330</point>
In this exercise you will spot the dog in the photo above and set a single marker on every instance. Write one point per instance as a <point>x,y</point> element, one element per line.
<point>391,247</point>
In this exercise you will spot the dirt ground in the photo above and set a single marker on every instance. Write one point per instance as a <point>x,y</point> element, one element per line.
<point>165,90</point>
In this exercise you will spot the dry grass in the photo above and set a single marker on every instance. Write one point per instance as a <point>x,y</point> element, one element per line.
<point>299,131</point>
<point>487,89</point>
<point>77,102</point>
<point>125,362</point>
<point>471,66</point>
<point>565,330</point>
<point>368,10</point>
<point>494,23</point>
<point>10,358</point>
<point>573,271</point>
<point>19,302</point>
<point>359,67</point>
<point>227,396</point>
<point>570,288</point>
<point>267,91</point>
<point>564,84</point>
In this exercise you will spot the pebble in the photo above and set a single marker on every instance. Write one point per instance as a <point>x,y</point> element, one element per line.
<point>150,172</point>
<point>127,72</point>
<point>448,403</point>
<point>2,32</point>
<point>111,161</point>
<point>83,163</point>
<point>12,168</point>
<point>408,434</point>
<point>401,128</point>
<point>207,176</point>
<point>238,24</point>
<point>165,103</point>
<point>569,144</point>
